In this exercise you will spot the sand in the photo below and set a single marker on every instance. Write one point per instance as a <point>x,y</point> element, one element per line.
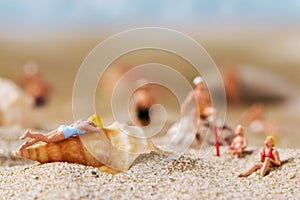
<point>154,176</point>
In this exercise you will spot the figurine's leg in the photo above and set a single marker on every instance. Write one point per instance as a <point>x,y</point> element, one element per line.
<point>53,136</point>
<point>28,134</point>
<point>38,136</point>
<point>239,153</point>
<point>233,152</point>
<point>27,144</point>
<point>251,170</point>
<point>195,117</point>
<point>25,135</point>
<point>266,166</point>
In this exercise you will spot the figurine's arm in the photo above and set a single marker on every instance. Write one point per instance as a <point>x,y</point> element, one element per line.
<point>186,102</point>
<point>277,161</point>
<point>261,155</point>
<point>89,129</point>
<point>244,144</point>
<point>232,144</point>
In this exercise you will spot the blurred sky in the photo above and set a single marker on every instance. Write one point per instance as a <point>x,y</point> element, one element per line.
<point>51,15</point>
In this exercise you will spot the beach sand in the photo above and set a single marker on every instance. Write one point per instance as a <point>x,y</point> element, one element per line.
<point>154,176</point>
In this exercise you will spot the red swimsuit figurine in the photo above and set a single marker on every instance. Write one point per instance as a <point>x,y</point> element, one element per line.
<point>268,156</point>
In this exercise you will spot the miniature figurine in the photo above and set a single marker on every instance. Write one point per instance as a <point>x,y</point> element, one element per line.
<point>268,156</point>
<point>142,101</point>
<point>239,143</point>
<point>62,132</point>
<point>204,112</point>
<point>201,96</point>
<point>34,84</point>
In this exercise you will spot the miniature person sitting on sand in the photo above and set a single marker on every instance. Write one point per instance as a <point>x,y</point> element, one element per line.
<point>239,143</point>
<point>92,125</point>
<point>268,156</point>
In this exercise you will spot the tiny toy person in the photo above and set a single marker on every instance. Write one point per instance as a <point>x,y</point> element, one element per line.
<point>201,96</point>
<point>93,124</point>
<point>268,156</point>
<point>239,143</point>
<point>142,101</point>
<point>204,112</point>
<point>34,84</point>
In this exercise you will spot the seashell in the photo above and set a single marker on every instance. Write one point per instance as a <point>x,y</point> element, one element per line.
<point>69,150</point>
<point>116,147</point>
<point>16,107</point>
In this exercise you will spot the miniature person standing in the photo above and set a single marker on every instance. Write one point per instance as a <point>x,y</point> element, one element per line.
<point>268,156</point>
<point>204,110</point>
<point>239,143</point>
<point>201,96</point>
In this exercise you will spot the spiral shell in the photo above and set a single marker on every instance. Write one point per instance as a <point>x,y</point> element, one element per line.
<point>69,150</point>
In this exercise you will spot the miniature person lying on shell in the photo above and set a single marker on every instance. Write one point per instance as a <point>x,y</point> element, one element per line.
<point>92,125</point>
<point>239,143</point>
<point>112,148</point>
<point>268,156</point>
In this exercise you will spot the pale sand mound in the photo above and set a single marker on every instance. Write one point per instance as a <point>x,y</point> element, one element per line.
<point>157,176</point>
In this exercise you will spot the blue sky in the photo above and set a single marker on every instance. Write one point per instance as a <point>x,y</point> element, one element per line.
<point>16,14</point>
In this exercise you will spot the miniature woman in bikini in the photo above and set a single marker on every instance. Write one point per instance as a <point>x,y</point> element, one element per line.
<point>268,156</point>
<point>92,125</point>
<point>239,143</point>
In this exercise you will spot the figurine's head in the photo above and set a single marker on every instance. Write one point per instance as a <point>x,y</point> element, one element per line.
<point>239,130</point>
<point>199,84</point>
<point>95,119</point>
<point>270,141</point>
<point>197,80</point>
<point>30,69</point>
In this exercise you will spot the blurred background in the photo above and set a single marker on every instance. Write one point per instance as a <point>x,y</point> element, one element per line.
<point>255,44</point>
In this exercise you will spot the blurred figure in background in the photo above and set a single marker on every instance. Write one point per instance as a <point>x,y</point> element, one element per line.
<point>231,84</point>
<point>200,95</point>
<point>142,101</point>
<point>34,84</point>
<point>205,112</point>
<point>255,119</point>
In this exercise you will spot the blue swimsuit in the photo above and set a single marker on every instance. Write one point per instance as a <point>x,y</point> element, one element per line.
<point>70,130</point>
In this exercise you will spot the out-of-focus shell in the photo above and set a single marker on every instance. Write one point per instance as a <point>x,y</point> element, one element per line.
<point>15,105</point>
